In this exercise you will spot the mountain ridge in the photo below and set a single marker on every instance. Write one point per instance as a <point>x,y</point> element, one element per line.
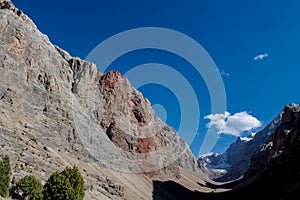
<point>237,158</point>
<point>50,100</point>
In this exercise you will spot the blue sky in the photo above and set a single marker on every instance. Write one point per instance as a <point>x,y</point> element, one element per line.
<point>233,32</point>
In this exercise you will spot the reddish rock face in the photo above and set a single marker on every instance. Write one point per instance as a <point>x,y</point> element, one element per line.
<point>109,80</point>
<point>142,138</point>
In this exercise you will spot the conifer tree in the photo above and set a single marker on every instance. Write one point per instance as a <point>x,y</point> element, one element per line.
<point>5,171</point>
<point>65,185</point>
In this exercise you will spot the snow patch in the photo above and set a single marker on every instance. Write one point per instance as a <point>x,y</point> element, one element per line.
<point>246,139</point>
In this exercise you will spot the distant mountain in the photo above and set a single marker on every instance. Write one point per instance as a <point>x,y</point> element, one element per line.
<point>220,163</point>
<point>235,161</point>
<point>240,161</point>
<point>274,165</point>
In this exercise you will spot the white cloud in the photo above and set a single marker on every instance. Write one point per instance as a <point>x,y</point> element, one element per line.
<point>260,56</point>
<point>234,124</point>
<point>222,72</point>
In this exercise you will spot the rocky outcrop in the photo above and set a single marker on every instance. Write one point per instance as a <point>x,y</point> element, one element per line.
<point>57,111</point>
<point>282,146</point>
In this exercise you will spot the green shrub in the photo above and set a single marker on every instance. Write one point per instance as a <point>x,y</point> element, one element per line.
<point>65,185</point>
<point>28,188</point>
<point>4,176</point>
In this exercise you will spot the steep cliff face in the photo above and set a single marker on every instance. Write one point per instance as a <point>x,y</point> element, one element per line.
<point>274,171</point>
<point>57,111</point>
<point>255,154</point>
<point>280,154</point>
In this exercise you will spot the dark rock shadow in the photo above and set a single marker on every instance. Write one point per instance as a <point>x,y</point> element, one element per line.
<point>170,190</point>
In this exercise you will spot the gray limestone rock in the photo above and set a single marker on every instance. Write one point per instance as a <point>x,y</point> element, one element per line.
<point>57,111</point>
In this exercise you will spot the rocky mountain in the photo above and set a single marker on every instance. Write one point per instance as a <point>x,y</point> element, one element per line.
<point>246,156</point>
<point>235,161</point>
<point>239,154</point>
<point>220,163</point>
<point>58,111</point>
<point>274,170</point>
<point>275,166</point>
<point>280,146</point>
